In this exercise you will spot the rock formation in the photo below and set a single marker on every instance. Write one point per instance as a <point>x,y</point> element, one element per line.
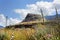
<point>32,17</point>
<point>29,21</point>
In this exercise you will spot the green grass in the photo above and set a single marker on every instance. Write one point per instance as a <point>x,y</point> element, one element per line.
<point>42,32</point>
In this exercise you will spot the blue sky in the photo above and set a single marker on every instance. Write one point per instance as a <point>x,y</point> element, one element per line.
<point>7,6</point>
<point>16,10</point>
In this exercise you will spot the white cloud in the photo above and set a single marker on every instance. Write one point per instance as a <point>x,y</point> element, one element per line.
<point>14,21</point>
<point>44,4</point>
<point>22,12</point>
<point>2,19</point>
<point>47,7</point>
<point>56,1</point>
<point>10,21</point>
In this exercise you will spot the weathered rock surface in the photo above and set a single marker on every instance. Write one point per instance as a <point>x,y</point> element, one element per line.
<point>32,17</point>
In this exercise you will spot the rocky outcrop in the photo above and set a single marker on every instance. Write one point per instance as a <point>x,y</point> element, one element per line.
<point>29,21</point>
<point>32,17</point>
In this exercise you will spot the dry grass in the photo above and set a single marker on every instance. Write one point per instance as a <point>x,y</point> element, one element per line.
<point>19,34</point>
<point>42,32</point>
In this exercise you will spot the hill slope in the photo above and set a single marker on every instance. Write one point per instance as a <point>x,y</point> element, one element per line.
<point>1,26</point>
<point>52,17</point>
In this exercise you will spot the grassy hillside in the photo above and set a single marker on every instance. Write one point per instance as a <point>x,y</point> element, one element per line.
<point>42,32</point>
<point>19,34</point>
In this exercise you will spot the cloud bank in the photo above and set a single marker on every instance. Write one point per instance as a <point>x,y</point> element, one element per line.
<point>10,21</point>
<point>47,7</point>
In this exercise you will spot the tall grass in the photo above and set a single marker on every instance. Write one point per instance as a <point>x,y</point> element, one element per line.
<point>47,33</point>
<point>3,36</point>
<point>19,34</point>
<point>42,32</point>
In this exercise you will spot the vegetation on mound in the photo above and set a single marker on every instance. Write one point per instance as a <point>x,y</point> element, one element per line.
<point>42,32</point>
